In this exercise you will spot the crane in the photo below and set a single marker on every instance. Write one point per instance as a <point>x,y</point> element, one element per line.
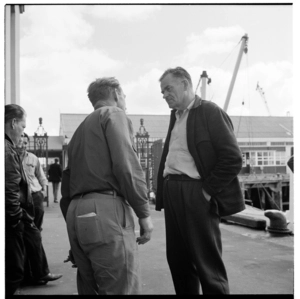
<point>243,49</point>
<point>262,94</point>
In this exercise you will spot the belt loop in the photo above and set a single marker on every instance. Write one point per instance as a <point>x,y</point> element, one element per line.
<point>81,195</point>
<point>115,193</point>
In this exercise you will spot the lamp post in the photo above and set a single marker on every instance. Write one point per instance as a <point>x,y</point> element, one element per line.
<point>65,151</point>
<point>40,138</point>
<point>142,144</point>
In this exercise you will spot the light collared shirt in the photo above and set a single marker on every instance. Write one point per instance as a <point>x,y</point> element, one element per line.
<point>179,160</point>
<point>34,172</point>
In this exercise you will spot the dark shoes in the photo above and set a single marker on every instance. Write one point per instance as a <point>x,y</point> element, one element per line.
<point>50,277</point>
<point>42,281</point>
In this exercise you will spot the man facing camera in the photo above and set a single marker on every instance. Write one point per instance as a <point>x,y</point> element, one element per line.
<point>36,177</point>
<point>197,183</point>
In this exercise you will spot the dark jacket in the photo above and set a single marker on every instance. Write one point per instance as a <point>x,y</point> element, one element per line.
<point>18,200</point>
<point>54,173</point>
<point>213,145</point>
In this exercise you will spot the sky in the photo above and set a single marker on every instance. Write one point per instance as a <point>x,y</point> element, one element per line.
<point>63,48</point>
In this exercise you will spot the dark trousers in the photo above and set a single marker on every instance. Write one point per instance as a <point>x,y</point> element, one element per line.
<point>38,201</point>
<point>55,186</point>
<point>35,253</point>
<point>24,240</point>
<point>193,238</point>
<point>14,258</point>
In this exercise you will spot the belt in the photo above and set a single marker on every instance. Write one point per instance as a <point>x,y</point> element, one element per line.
<point>36,192</point>
<point>179,177</point>
<point>107,192</point>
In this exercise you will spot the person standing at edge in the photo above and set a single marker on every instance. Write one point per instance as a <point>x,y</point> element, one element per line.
<point>102,182</point>
<point>54,176</point>
<point>16,191</point>
<point>21,234</point>
<point>196,184</point>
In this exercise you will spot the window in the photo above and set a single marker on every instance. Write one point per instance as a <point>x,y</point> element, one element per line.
<point>267,158</point>
<point>253,143</point>
<point>281,158</point>
<point>277,143</point>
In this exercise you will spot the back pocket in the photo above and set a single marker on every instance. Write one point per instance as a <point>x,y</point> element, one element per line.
<point>87,230</point>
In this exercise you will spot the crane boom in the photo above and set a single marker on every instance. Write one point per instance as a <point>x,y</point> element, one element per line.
<point>243,49</point>
<point>262,94</point>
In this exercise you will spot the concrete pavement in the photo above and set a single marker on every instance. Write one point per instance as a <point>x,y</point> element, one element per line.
<point>256,261</point>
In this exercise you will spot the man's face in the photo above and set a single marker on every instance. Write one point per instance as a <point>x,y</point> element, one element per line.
<point>121,99</point>
<point>173,91</point>
<point>18,129</point>
<point>23,143</point>
<point>20,144</point>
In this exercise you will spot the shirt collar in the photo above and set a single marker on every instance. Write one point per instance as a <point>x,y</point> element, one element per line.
<point>179,113</point>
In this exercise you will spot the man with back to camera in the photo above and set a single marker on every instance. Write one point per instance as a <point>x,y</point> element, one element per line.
<point>102,182</point>
<point>196,184</point>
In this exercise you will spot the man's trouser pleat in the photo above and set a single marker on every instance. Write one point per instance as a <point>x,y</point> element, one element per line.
<point>104,245</point>
<point>193,237</point>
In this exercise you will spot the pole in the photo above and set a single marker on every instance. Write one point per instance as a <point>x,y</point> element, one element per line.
<point>46,137</point>
<point>204,78</point>
<point>244,48</point>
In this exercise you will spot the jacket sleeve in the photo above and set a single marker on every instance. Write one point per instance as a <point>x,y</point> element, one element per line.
<point>65,192</point>
<point>13,178</point>
<point>125,163</point>
<point>226,150</point>
<point>290,163</point>
<point>39,173</point>
<point>60,171</point>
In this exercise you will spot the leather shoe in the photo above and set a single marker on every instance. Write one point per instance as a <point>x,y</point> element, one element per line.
<point>50,277</point>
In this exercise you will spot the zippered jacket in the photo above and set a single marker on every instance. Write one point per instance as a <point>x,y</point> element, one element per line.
<point>18,200</point>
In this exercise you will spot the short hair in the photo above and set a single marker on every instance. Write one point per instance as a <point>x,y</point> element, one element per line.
<point>56,160</point>
<point>99,89</point>
<point>177,72</point>
<point>25,135</point>
<point>13,111</point>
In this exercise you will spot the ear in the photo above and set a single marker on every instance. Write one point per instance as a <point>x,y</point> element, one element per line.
<point>116,96</point>
<point>13,122</point>
<point>185,84</point>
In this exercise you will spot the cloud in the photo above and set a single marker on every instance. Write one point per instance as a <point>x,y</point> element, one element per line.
<point>54,28</point>
<point>123,13</point>
<point>211,41</point>
<point>144,95</point>
<point>57,64</point>
<point>275,78</point>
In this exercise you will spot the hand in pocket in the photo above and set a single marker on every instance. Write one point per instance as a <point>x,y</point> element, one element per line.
<point>206,195</point>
